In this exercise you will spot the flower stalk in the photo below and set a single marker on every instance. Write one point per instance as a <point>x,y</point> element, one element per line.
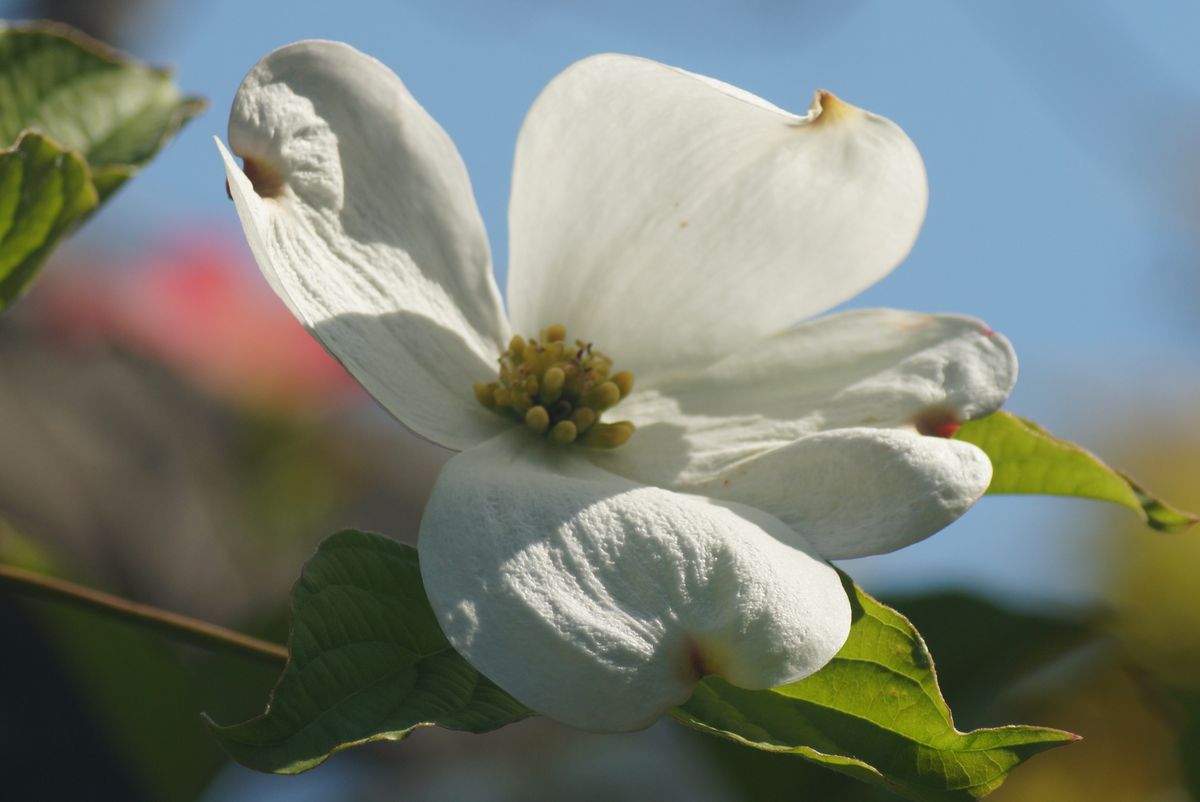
<point>19,581</point>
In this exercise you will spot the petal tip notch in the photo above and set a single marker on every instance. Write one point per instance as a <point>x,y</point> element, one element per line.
<point>700,660</point>
<point>937,422</point>
<point>266,180</point>
<point>829,108</point>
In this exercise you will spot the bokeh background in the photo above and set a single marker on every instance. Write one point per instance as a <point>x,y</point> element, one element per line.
<point>168,433</point>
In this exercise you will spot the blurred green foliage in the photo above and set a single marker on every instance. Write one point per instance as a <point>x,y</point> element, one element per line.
<point>77,120</point>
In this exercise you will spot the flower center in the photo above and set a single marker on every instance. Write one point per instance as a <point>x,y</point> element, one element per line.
<point>559,390</point>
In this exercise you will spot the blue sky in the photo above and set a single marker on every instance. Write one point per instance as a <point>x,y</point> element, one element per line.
<point>1061,146</point>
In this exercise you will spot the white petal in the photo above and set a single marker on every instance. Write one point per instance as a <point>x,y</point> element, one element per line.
<point>819,426</point>
<point>599,602</point>
<point>668,217</point>
<point>878,368</point>
<point>361,216</point>
<point>857,492</point>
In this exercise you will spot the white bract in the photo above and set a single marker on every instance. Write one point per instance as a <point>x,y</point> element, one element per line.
<point>681,225</point>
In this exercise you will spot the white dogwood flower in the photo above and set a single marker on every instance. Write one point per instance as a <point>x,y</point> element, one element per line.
<point>676,225</point>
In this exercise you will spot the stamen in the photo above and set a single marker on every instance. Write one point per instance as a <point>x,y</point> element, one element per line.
<point>603,396</point>
<point>563,433</point>
<point>559,390</point>
<point>608,435</point>
<point>552,384</point>
<point>583,418</point>
<point>538,419</point>
<point>483,394</point>
<point>624,382</point>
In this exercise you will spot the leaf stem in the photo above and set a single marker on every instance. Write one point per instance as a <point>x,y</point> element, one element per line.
<point>172,625</point>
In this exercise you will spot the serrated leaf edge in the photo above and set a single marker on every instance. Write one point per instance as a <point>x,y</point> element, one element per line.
<point>221,732</point>
<point>1054,737</point>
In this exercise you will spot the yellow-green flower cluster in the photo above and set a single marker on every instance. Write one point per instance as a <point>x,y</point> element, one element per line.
<point>559,390</point>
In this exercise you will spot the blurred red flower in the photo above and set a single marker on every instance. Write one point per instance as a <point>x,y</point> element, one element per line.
<point>197,304</point>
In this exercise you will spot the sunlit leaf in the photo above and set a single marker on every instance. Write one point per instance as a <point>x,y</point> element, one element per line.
<point>874,713</point>
<point>1028,459</point>
<point>114,111</point>
<point>367,662</point>
<point>77,119</point>
<point>45,192</point>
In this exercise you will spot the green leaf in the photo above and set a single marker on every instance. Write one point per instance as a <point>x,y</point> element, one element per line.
<point>962,630</point>
<point>115,112</point>
<point>874,713</point>
<point>96,117</point>
<point>367,662</point>
<point>45,192</point>
<point>1028,459</point>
